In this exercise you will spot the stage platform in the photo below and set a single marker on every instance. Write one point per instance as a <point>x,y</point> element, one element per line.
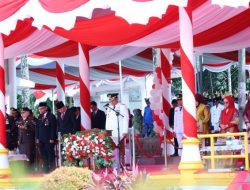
<point>170,178</point>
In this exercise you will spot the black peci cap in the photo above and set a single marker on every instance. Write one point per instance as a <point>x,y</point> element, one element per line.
<point>59,105</point>
<point>42,104</point>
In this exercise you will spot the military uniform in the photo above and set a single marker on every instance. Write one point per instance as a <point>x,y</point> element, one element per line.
<point>112,124</point>
<point>26,138</point>
<point>112,121</point>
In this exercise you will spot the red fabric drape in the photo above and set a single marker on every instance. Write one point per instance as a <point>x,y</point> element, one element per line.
<point>112,30</point>
<point>9,7</point>
<point>52,73</point>
<point>219,32</point>
<point>233,56</point>
<point>67,49</point>
<point>58,6</point>
<point>216,64</point>
<point>114,68</point>
<point>22,31</point>
<point>44,86</point>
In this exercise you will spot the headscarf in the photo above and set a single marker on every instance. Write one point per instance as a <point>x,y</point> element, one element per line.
<point>227,113</point>
<point>200,99</point>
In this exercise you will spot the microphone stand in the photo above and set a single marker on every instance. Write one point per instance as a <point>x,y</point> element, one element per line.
<point>117,113</point>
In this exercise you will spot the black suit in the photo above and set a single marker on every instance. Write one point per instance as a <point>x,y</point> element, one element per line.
<point>171,124</point>
<point>98,120</point>
<point>67,124</point>
<point>78,123</point>
<point>171,117</point>
<point>11,133</point>
<point>46,131</point>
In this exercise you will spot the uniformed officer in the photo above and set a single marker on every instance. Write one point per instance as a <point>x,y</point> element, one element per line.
<point>112,124</point>
<point>178,122</point>
<point>46,136</point>
<point>26,134</point>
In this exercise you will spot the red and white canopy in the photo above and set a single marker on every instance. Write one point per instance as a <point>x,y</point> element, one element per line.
<point>108,23</point>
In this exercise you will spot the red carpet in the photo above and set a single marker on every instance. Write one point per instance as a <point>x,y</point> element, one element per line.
<point>159,169</point>
<point>241,181</point>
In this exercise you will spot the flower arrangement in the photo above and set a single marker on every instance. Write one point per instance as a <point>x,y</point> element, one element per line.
<point>95,144</point>
<point>65,178</point>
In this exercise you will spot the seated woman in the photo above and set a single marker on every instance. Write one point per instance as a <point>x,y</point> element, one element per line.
<point>229,118</point>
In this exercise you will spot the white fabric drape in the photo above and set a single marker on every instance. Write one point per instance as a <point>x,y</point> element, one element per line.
<point>40,40</point>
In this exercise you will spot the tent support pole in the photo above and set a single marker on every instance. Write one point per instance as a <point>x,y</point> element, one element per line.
<point>242,83</point>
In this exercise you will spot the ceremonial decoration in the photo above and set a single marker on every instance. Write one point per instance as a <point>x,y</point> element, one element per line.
<point>158,113</point>
<point>156,104</point>
<point>95,144</point>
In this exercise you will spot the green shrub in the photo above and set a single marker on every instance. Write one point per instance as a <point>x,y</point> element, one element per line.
<point>67,178</point>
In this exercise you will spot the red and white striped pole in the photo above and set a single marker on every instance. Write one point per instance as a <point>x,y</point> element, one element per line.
<point>60,83</point>
<point>84,87</point>
<point>2,96</point>
<point>166,66</point>
<point>191,159</point>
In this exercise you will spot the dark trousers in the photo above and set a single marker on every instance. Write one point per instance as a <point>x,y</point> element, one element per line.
<point>28,148</point>
<point>176,146</point>
<point>147,130</point>
<point>48,155</point>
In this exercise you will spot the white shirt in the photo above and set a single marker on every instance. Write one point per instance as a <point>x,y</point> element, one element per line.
<point>215,116</point>
<point>178,120</point>
<point>112,124</point>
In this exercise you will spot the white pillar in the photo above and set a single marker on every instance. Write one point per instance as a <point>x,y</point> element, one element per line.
<point>229,80</point>
<point>121,82</point>
<point>242,82</point>
<point>12,83</point>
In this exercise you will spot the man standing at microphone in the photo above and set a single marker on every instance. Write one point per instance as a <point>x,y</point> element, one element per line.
<point>117,114</point>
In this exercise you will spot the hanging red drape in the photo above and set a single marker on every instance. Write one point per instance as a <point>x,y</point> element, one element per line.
<point>112,30</point>
<point>219,32</point>
<point>43,86</point>
<point>233,56</point>
<point>22,31</point>
<point>114,68</point>
<point>59,6</point>
<point>9,7</point>
<point>67,49</point>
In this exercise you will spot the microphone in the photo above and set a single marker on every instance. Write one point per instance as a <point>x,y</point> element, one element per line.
<point>106,105</point>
